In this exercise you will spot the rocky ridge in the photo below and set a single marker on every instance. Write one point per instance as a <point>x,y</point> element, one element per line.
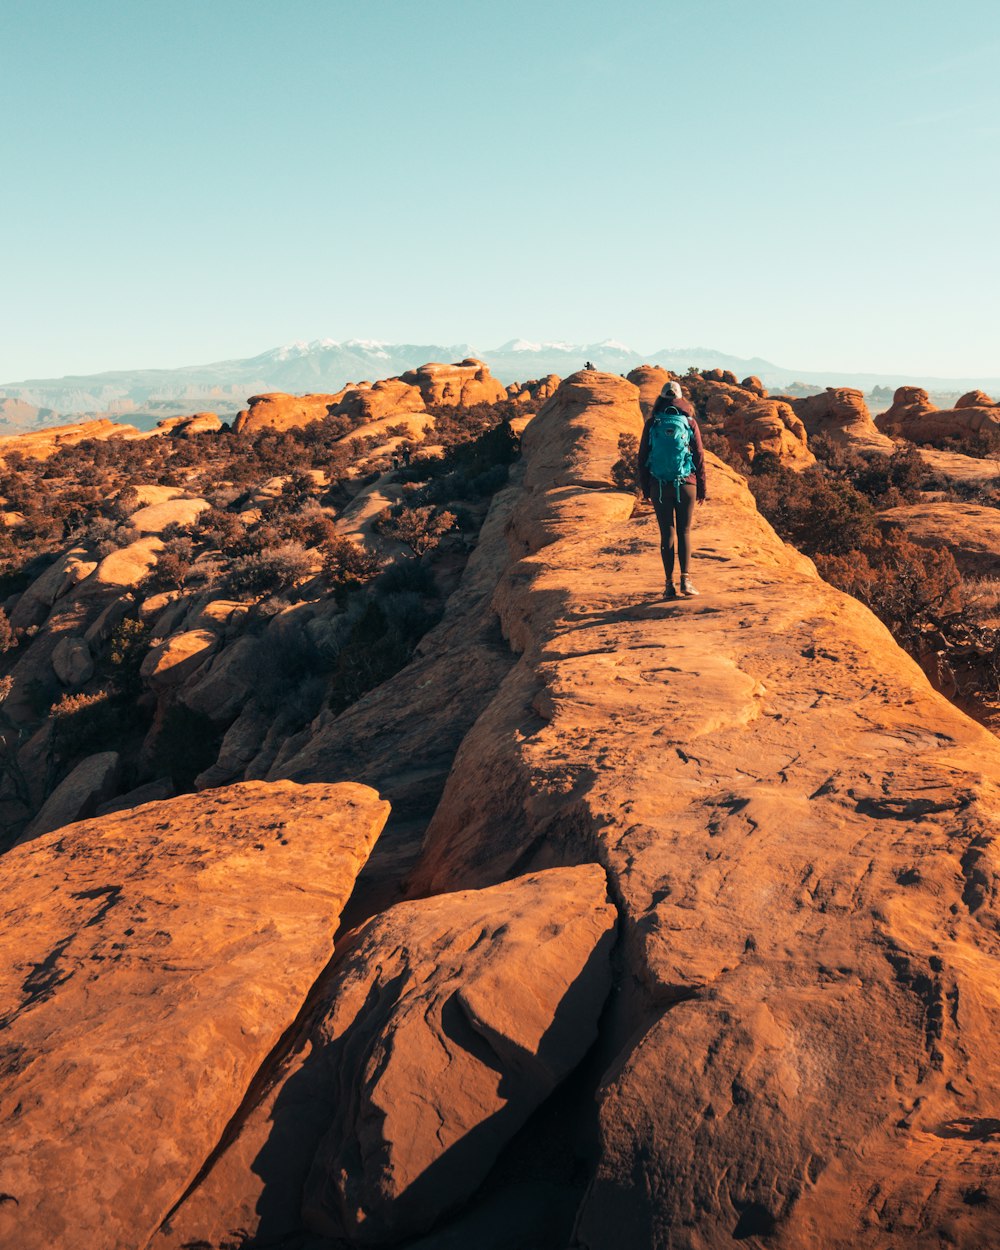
<point>796,835</point>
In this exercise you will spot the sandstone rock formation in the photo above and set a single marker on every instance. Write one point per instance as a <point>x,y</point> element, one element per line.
<point>971,533</point>
<point>468,382</point>
<point>279,411</point>
<point>186,427</point>
<point>799,834</point>
<point>841,414</point>
<point>72,661</point>
<point>914,417</point>
<point>650,379</point>
<point>78,794</point>
<point>40,444</point>
<point>954,467</point>
<point>768,425</point>
<point>371,402</point>
<point>154,518</point>
<point>534,390</point>
<point>143,985</point>
<point>975,399</point>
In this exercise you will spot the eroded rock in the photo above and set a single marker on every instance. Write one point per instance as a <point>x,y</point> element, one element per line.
<point>142,986</point>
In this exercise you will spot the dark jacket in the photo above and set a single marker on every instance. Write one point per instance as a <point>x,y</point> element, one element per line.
<point>697,478</point>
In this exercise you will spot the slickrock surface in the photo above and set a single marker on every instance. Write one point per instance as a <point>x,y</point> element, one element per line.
<point>840,412</point>
<point>800,836</point>
<point>151,961</point>
<point>40,444</point>
<point>155,517</point>
<point>379,400</point>
<point>954,466</point>
<point>971,533</point>
<point>443,1024</point>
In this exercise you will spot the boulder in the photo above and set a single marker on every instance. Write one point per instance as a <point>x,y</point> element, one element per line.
<point>102,627</point>
<point>841,414</point>
<point>91,782</point>
<point>754,384</point>
<point>278,411</point>
<point>650,379</point>
<point>221,691</point>
<point>468,382</point>
<point>154,518</point>
<point>151,792</point>
<point>537,390</point>
<point>975,399</point>
<point>72,662</point>
<point>144,986</point>
<point>768,425</point>
<point>446,1022</point>
<point>392,397</point>
<point>174,661</point>
<point>126,567</point>
<point>187,427</point>
<point>66,572</point>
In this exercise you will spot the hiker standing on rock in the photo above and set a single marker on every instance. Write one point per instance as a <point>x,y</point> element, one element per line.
<point>672,476</point>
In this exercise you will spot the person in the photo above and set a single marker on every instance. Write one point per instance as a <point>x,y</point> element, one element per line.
<point>674,501</point>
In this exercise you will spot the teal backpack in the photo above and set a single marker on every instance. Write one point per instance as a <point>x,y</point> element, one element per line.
<point>670,459</point>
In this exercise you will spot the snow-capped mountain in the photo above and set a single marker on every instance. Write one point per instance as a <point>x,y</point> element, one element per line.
<point>144,396</point>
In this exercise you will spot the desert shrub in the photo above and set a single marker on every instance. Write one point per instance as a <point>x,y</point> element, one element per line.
<point>907,587</point>
<point>810,511</point>
<point>407,576</point>
<point>127,648</point>
<point>124,503</point>
<point>625,470</point>
<point>173,565</point>
<point>379,643</point>
<point>85,723</point>
<point>420,529</point>
<point>8,639</point>
<point>271,569</point>
<point>346,563</point>
<point>984,444</point>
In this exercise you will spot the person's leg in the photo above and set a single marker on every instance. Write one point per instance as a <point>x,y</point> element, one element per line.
<point>664,509</point>
<point>685,515</point>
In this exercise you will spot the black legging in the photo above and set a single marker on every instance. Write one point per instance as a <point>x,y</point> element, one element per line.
<point>674,517</point>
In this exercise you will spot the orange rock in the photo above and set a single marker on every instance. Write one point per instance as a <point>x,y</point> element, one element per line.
<point>650,379</point>
<point>799,833</point>
<point>40,444</point>
<point>383,399</point>
<point>446,1023</point>
<point>78,794</point>
<point>279,411</point>
<point>768,425</point>
<point>969,532</point>
<point>537,389</point>
<point>914,417</point>
<point>143,984</point>
<point>155,518</point>
<point>175,660</point>
<point>841,414</point>
<point>185,427</point>
<point>126,567</point>
<point>975,399</point>
<point>907,402</point>
<point>753,383</point>
<point>468,382</point>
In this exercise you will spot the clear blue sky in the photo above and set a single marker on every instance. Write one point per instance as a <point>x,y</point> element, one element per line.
<point>199,179</point>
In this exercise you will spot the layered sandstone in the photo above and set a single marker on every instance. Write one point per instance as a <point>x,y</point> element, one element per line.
<point>534,390</point>
<point>800,835</point>
<point>650,379</point>
<point>841,414</point>
<point>143,985</point>
<point>40,444</point>
<point>372,402</point>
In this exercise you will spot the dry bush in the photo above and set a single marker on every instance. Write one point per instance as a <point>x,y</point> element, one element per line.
<point>420,529</point>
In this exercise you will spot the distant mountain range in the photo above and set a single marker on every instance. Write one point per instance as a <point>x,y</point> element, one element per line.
<point>144,396</point>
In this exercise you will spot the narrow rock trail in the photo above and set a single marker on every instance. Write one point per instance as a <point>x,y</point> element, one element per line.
<point>799,834</point>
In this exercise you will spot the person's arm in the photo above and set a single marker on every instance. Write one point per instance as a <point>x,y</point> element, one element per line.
<point>641,458</point>
<point>699,460</point>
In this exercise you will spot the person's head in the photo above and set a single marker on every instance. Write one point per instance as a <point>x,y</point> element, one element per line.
<point>669,396</point>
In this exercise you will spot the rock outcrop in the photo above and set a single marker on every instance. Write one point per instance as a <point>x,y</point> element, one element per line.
<point>78,795</point>
<point>144,985</point>
<point>468,382</point>
<point>800,835</point>
<point>841,414</point>
<point>768,425</point>
<point>40,444</point>
<point>278,411</point>
<point>650,379</point>
<point>971,533</point>
<point>535,390</point>
<point>975,399</point>
<point>914,417</point>
<point>156,517</point>
<point>371,402</point>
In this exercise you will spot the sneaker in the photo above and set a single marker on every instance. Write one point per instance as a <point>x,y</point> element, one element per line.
<point>688,587</point>
<point>671,591</point>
